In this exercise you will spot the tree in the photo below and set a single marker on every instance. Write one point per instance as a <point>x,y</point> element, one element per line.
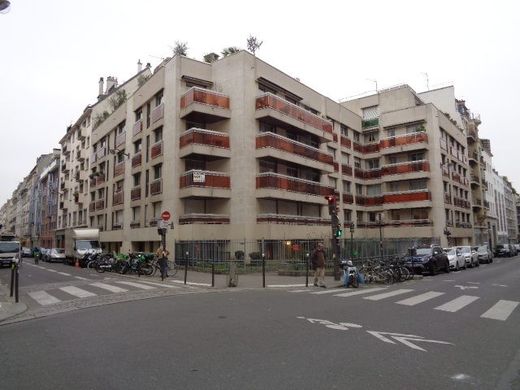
<point>117,99</point>
<point>253,44</point>
<point>180,48</point>
<point>211,57</point>
<point>230,50</point>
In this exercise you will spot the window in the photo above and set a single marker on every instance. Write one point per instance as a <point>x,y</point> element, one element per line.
<point>119,186</point>
<point>344,130</point>
<point>359,189</point>
<point>267,127</point>
<point>158,98</point>
<point>137,146</point>
<point>157,171</point>
<point>372,217</point>
<point>120,128</point>
<point>416,156</point>
<point>390,133</point>
<point>356,135</point>
<point>120,156</point>
<point>394,186</point>
<point>138,114</point>
<point>158,134</point>
<point>347,215</point>
<point>136,213</point>
<point>345,158</point>
<point>357,162</point>
<point>373,190</point>
<point>370,113</point>
<point>137,179</point>
<point>418,184</point>
<point>373,163</point>
<point>118,217</point>
<point>157,209</point>
<point>346,186</point>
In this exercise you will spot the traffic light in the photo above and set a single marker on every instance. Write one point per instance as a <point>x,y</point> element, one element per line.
<point>339,232</point>
<point>331,199</point>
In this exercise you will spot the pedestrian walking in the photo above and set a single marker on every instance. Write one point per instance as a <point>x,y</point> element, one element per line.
<point>162,259</point>
<point>318,258</point>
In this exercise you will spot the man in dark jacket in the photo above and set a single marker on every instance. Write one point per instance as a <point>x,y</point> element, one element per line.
<point>318,265</point>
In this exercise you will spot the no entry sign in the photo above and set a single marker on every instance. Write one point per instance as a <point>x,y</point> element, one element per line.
<point>165,216</point>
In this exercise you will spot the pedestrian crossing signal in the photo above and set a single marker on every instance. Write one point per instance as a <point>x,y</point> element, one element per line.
<point>339,232</point>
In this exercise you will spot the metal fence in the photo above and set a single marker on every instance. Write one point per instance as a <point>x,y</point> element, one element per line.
<point>281,256</point>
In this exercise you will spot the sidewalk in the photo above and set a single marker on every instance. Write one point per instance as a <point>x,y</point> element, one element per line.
<point>8,307</point>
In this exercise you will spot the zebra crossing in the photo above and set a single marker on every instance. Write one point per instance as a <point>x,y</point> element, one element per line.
<point>88,290</point>
<point>499,311</point>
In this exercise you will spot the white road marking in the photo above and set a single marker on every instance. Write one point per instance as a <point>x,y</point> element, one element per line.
<point>473,282</point>
<point>64,273</point>
<point>332,291</point>
<point>465,287</point>
<point>159,284</point>
<point>378,297</point>
<point>51,270</point>
<point>420,298</point>
<point>448,280</point>
<point>501,310</point>
<point>285,285</point>
<point>500,285</point>
<point>298,291</point>
<point>108,287</point>
<point>457,303</point>
<point>80,278</point>
<point>77,292</point>
<point>360,292</point>
<point>404,339</point>
<point>138,285</point>
<point>43,298</point>
<point>192,283</point>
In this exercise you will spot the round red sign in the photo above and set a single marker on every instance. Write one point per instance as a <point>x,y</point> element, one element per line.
<point>165,215</point>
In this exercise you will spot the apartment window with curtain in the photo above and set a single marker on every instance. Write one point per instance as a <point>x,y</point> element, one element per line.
<point>157,171</point>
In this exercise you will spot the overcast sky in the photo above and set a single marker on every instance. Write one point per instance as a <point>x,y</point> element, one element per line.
<point>53,52</point>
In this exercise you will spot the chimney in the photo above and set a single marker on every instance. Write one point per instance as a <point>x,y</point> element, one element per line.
<point>111,83</point>
<point>101,83</point>
<point>139,66</point>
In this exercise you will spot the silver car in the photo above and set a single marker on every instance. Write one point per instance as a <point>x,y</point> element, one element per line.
<point>470,256</point>
<point>455,258</point>
<point>56,254</point>
<point>484,254</point>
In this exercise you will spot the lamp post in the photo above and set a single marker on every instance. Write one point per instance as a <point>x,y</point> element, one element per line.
<point>351,240</point>
<point>380,237</point>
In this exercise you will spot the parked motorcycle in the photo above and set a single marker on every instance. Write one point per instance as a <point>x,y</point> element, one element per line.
<point>350,274</point>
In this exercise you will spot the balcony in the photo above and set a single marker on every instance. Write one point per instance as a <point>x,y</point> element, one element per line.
<point>419,137</point>
<point>119,169</point>
<point>475,179</point>
<point>346,170</point>
<point>204,142</point>
<point>274,145</point>
<point>407,196</point>
<point>197,102</point>
<point>369,201</point>
<point>101,153</point>
<point>156,187</point>
<point>100,204</point>
<point>198,183</point>
<point>156,149</point>
<point>477,203</point>
<point>288,184</point>
<point>445,170</point>
<point>459,179</point>
<point>368,123</point>
<point>345,142</point>
<point>80,155</point>
<point>464,225</point>
<point>209,219</point>
<point>291,219</point>
<point>406,167</point>
<point>269,105</point>
<point>100,180</point>
<point>473,158</point>
<point>409,222</point>
<point>444,144</point>
<point>348,198</point>
<point>93,157</point>
<point>459,202</point>
<point>486,205</point>
<point>137,127</point>
<point>135,193</point>
<point>472,135</point>
<point>92,207</point>
<point>367,174</point>
<point>120,139</point>
<point>137,159</point>
<point>447,198</point>
<point>118,198</point>
<point>158,113</point>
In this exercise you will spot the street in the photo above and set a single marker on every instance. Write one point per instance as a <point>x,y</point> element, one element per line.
<point>451,331</point>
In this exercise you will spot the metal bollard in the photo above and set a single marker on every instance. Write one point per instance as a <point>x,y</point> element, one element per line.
<point>186,271</point>
<point>263,270</point>
<point>307,271</point>
<point>12,279</point>
<point>213,273</point>
<point>16,287</point>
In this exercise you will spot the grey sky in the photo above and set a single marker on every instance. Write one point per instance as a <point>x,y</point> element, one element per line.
<point>53,52</point>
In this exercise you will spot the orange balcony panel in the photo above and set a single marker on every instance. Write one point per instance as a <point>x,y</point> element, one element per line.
<point>371,148</point>
<point>158,113</point>
<point>118,198</point>
<point>407,197</point>
<point>119,169</point>
<point>204,96</point>
<point>282,182</point>
<point>204,137</point>
<point>293,111</point>
<point>156,149</point>
<point>287,145</point>
<point>335,137</point>
<point>348,198</point>
<point>357,147</point>
<point>135,193</point>
<point>413,166</point>
<point>210,219</point>
<point>156,187</point>
<point>205,179</point>
<point>336,167</point>
<point>346,170</point>
<point>92,206</point>
<point>346,142</point>
<point>370,174</point>
<point>100,204</point>
<point>100,180</point>
<point>403,140</point>
<point>137,160</point>
<point>369,200</point>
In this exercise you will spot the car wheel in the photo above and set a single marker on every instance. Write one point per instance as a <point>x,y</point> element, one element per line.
<point>447,267</point>
<point>477,264</point>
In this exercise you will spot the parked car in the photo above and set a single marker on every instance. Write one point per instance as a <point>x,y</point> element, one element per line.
<point>514,251</point>
<point>56,254</point>
<point>517,247</point>
<point>470,256</point>
<point>455,258</point>
<point>484,254</point>
<point>503,250</point>
<point>431,260</point>
<point>44,254</point>
<point>26,252</point>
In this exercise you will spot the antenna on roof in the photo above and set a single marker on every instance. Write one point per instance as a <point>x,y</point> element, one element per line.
<point>427,80</point>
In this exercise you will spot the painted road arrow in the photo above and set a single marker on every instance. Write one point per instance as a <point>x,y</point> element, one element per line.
<point>404,339</point>
<point>465,287</point>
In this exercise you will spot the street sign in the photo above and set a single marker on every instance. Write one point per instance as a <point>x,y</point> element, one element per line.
<point>163,224</point>
<point>165,216</point>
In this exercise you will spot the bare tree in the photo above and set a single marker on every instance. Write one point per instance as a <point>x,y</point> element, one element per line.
<point>180,48</point>
<point>253,44</point>
<point>230,50</point>
<point>211,57</point>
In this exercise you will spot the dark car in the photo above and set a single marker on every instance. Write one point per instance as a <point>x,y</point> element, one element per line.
<point>503,250</point>
<point>431,260</point>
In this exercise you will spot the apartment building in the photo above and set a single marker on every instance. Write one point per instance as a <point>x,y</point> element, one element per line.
<point>517,203</point>
<point>46,205</point>
<point>74,187</point>
<point>510,209</point>
<point>489,196</point>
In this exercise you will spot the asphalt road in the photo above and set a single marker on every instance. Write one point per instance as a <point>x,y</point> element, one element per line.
<point>451,331</point>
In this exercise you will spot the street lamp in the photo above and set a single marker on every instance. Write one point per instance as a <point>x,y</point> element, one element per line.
<point>351,240</point>
<point>380,237</point>
<point>117,151</point>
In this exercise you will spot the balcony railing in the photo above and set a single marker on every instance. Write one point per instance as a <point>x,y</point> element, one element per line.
<point>291,219</point>
<point>120,139</point>
<point>271,140</point>
<point>204,96</point>
<point>211,219</point>
<point>348,198</point>
<point>465,225</point>
<point>101,153</point>
<point>346,170</point>
<point>100,204</point>
<point>119,169</point>
<point>118,198</point>
<point>156,187</point>
<point>406,167</point>
<point>135,193</point>
<point>100,180</point>
<point>346,142</point>
<point>445,171</point>
<point>447,198</point>
<point>294,184</point>
<point>368,174</point>
<point>406,139</point>
<point>156,149</point>
<point>137,159</point>
<point>157,112</point>
<point>362,200</point>
<point>407,196</point>
<point>444,144</point>
<point>268,100</point>
<point>370,123</point>
<point>92,206</point>
<point>459,202</point>
<point>138,127</point>
<point>206,179</point>
<point>204,137</point>
<point>409,222</point>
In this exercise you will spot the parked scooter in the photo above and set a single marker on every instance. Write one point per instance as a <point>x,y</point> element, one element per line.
<point>350,274</point>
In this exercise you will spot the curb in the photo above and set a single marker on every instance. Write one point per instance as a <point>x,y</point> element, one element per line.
<point>8,309</point>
